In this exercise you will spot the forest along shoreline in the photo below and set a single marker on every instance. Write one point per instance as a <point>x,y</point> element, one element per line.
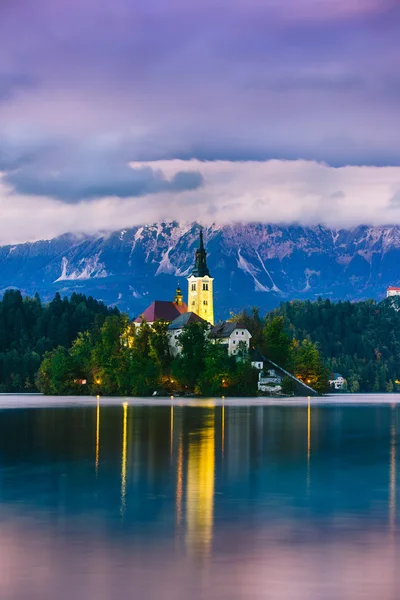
<point>54,347</point>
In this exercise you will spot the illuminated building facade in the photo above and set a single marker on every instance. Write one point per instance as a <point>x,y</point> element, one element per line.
<point>200,286</point>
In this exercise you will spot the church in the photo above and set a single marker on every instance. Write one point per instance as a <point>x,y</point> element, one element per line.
<point>199,308</point>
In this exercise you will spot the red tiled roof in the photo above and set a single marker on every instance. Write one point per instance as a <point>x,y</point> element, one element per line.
<point>181,308</point>
<point>392,287</point>
<point>161,310</point>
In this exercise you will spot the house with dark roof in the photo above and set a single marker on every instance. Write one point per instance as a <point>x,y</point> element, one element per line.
<point>230,334</point>
<point>176,328</point>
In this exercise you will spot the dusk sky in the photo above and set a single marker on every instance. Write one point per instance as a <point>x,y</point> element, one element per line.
<point>122,112</point>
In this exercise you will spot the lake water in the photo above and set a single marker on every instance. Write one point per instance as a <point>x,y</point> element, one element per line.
<point>119,499</point>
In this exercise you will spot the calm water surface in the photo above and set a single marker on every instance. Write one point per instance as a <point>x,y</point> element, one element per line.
<point>199,502</point>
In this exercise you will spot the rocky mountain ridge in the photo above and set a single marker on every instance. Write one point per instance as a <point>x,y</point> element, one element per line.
<point>253,264</point>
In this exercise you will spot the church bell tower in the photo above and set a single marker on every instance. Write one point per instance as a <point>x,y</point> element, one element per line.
<point>200,293</point>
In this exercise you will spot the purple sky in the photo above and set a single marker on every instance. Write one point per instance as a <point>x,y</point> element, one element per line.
<point>86,86</point>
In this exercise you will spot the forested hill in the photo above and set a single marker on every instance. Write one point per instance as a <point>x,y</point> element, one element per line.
<point>29,328</point>
<point>360,340</point>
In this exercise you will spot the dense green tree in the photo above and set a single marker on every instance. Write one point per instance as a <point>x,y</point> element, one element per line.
<point>359,340</point>
<point>277,342</point>
<point>216,377</point>
<point>56,375</point>
<point>308,365</point>
<point>106,355</point>
<point>187,366</point>
<point>244,379</point>
<point>29,329</point>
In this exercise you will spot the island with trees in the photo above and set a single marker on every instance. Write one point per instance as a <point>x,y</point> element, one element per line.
<point>79,346</point>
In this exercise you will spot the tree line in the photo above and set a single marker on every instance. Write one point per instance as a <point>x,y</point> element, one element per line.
<point>29,329</point>
<point>359,340</point>
<point>79,346</point>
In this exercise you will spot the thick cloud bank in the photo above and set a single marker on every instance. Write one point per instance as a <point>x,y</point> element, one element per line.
<point>88,86</point>
<point>273,191</point>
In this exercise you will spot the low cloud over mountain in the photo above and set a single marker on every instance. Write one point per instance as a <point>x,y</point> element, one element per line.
<point>104,196</point>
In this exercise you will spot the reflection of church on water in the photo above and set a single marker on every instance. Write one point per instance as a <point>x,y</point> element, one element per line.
<point>152,451</point>
<point>171,447</point>
<point>187,447</point>
<point>195,482</point>
<point>174,460</point>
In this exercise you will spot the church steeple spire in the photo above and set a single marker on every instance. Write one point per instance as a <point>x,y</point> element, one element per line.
<point>200,294</point>
<point>200,266</point>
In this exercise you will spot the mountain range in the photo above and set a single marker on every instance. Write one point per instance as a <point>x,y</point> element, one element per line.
<point>253,264</point>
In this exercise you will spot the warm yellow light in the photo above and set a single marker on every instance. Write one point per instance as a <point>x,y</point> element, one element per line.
<point>223,429</point>
<point>200,489</point>
<point>397,381</point>
<point>171,431</point>
<point>97,434</point>
<point>171,397</point>
<point>124,455</point>
<point>308,441</point>
<point>98,381</point>
<point>179,482</point>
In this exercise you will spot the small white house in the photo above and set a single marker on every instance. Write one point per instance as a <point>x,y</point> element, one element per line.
<point>231,334</point>
<point>392,291</point>
<point>337,382</point>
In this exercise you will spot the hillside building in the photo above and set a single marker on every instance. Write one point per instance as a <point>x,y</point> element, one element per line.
<point>392,291</point>
<point>271,375</point>
<point>231,335</point>
<point>337,382</point>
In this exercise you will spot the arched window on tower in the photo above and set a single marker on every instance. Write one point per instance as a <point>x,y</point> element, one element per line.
<point>205,287</point>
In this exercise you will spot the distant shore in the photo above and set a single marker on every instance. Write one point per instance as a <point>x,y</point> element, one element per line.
<point>20,401</point>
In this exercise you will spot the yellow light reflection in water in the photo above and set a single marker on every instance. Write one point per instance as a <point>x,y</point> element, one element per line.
<point>308,441</point>
<point>123,459</point>
<point>392,484</point>
<point>200,488</point>
<point>179,483</point>
<point>223,431</point>
<point>97,435</point>
<point>171,432</point>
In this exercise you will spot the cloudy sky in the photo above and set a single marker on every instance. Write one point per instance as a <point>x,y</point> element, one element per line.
<point>114,113</point>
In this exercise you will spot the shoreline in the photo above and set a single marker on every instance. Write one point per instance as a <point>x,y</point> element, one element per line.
<point>20,401</point>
